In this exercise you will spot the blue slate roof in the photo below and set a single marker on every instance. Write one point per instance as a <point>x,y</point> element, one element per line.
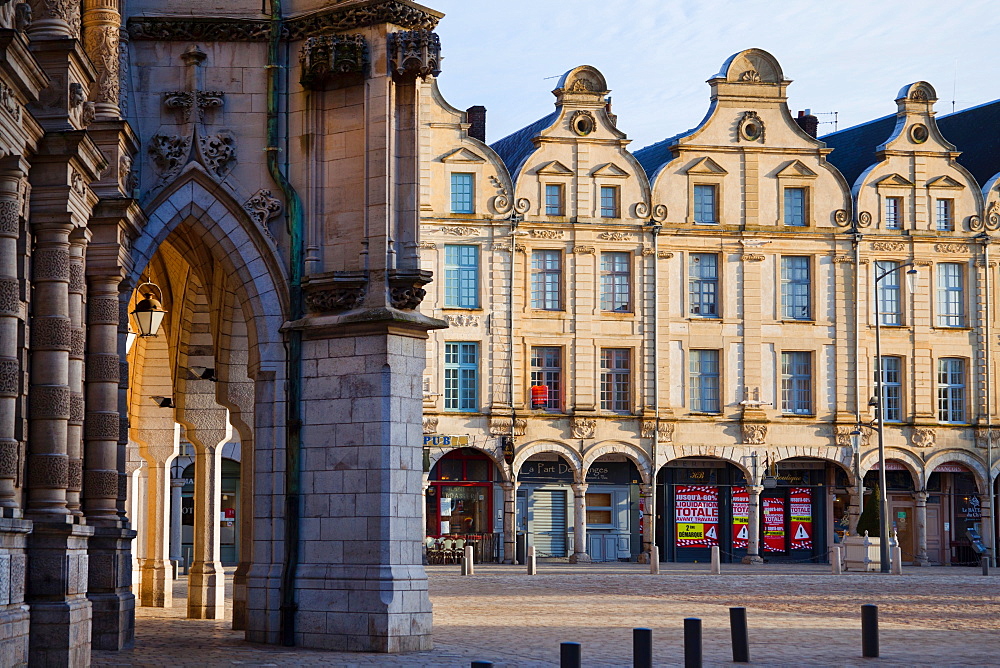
<point>515,148</point>
<point>654,156</point>
<point>854,148</point>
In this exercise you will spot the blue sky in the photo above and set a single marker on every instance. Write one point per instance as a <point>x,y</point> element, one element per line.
<point>848,56</point>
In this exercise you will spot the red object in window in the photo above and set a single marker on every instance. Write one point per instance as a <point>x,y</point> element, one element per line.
<point>539,396</point>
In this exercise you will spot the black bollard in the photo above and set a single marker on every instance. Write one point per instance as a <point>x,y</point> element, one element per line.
<point>642,648</point>
<point>869,631</point>
<point>482,664</point>
<point>692,642</point>
<point>985,563</point>
<point>570,655</point>
<point>741,638</point>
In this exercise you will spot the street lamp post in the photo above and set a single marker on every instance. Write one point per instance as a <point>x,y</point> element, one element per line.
<point>883,518</point>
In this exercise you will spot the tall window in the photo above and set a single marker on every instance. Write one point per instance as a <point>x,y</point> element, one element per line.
<point>892,388</point>
<point>616,380</point>
<point>554,199</point>
<point>546,371</point>
<point>890,304</point>
<point>944,217</point>
<point>704,380</point>
<point>796,383</point>
<point>461,276</point>
<point>705,204</point>
<point>461,192</point>
<point>546,280</point>
<point>893,213</point>
<point>461,376</point>
<point>703,284</point>
<point>615,282</point>
<point>795,288</point>
<point>950,294</point>
<point>951,389</point>
<point>795,206</point>
<point>609,201</point>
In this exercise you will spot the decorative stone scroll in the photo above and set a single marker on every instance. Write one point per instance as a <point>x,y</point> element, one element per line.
<point>922,438</point>
<point>415,52</point>
<point>615,236</point>
<point>585,250</point>
<point>194,103</point>
<point>9,103</point>
<point>500,426</point>
<point>864,219</point>
<point>461,231</point>
<point>664,431</point>
<point>754,433</point>
<point>546,234</point>
<point>583,427</point>
<point>752,257</point>
<point>842,435</point>
<point>261,208</point>
<point>841,217</point>
<point>951,248</point>
<point>462,320</point>
<point>330,55</point>
<point>888,246</point>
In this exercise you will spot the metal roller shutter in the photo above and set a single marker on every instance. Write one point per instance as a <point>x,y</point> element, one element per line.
<point>548,510</point>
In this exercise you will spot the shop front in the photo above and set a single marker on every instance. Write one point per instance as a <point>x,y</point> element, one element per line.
<point>613,528</point>
<point>900,490</point>
<point>952,488</point>
<point>463,503</point>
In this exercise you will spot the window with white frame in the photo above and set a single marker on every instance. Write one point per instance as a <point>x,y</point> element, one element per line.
<point>703,380</point>
<point>616,282</point>
<point>796,383</point>
<point>795,207</point>
<point>951,389</point>
<point>705,204</point>
<point>461,276</point>
<point>795,288</point>
<point>616,380</point>
<point>546,280</point>
<point>893,213</point>
<point>892,387</point>
<point>950,295</point>
<point>945,221</point>
<point>461,376</point>
<point>546,371</point>
<point>554,199</point>
<point>890,302</point>
<point>703,285</point>
<point>609,202</point>
<point>461,192</point>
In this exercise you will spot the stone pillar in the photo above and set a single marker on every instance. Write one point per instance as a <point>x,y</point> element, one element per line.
<point>158,447</point>
<point>134,492</point>
<point>854,509</point>
<point>74,429</point>
<point>10,367</point>
<point>176,520</point>
<point>648,522</point>
<point>101,25</point>
<point>753,525</point>
<point>579,525</point>
<point>509,522</point>
<point>920,522</point>
<point>989,539</point>
<point>54,20</point>
<point>207,581</point>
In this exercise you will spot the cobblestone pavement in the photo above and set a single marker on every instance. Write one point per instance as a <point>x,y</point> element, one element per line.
<point>799,615</point>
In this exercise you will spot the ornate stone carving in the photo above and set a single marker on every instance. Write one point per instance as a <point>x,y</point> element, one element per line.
<point>169,153</point>
<point>10,373</point>
<point>985,435</point>
<point>50,333</point>
<point>591,250</point>
<point>752,257</point>
<point>664,255</point>
<point>415,52</point>
<point>406,292</point>
<point>193,103</point>
<point>500,426</point>
<point>77,96</point>
<point>100,484</point>
<point>841,217</point>
<point>993,216</point>
<point>328,55</point>
<point>583,427</point>
<point>76,407</point>
<point>461,231</point>
<point>922,438</point>
<point>219,151</point>
<point>976,224</point>
<point>337,299</point>
<point>888,246</point>
<point>501,201</point>
<point>615,236</point>
<point>462,320</point>
<point>754,433</point>
<point>102,311</point>
<point>9,103</point>
<point>546,234</point>
<point>10,218</point>
<point>77,343</point>
<point>641,209</point>
<point>750,76</point>
<point>582,122</point>
<point>103,368</point>
<point>50,264</point>
<point>10,457</point>
<point>660,212</point>
<point>48,470</point>
<point>101,44</point>
<point>10,297</point>
<point>864,219</point>
<point>77,280</point>
<point>335,19</point>
<point>49,402</point>
<point>428,245</point>
<point>841,259</point>
<point>951,248</point>
<point>75,475</point>
<point>522,204</point>
<point>430,425</point>
<point>842,435</point>
<point>751,127</point>
<point>101,426</point>
<point>261,208</point>
<point>664,431</point>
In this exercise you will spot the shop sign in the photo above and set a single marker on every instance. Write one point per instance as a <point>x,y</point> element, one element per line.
<point>774,525</point>
<point>741,518</point>
<point>616,473</point>
<point>447,441</point>
<point>949,467</point>
<point>552,471</point>
<point>696,515</point>
<point>891,465</point>
<point>800,499</point>
<point>971,508</point>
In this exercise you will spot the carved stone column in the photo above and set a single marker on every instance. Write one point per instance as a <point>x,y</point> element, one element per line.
<point>920,522</point>
<point>753,525</point>
<point>206,586</point>
<point>176,519</point>
<point>579,524</point>
<point>101,25</point>
<point>158,447</point>
<point>54,19</point>
<point>10,368</point>
<point>74,430</point>
<point>509,522</point>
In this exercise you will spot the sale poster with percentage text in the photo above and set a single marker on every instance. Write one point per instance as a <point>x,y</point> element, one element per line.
<point>774,524</point>
<point>741,518</point>
<point>800,499</point>
<point>696,515</point>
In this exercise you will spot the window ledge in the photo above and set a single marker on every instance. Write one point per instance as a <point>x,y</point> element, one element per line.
<point>803,416</point>
<point>704,318</point>
<point>462,308</point>
<point>801,321</point>
<point>946,328</point>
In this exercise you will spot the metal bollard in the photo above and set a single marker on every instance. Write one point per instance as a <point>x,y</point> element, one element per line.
<point>985,563</point>
<point>654,560</point>
<point>570,655</point>
<point>469,567</point>
<point>692,642</point>
<point>869,631</point>
<point>740,635</point>
<point>716,561</point>
<point>642,648</point>
<point>532,563</point>
<point>482,664</point>
<point>836,562</point>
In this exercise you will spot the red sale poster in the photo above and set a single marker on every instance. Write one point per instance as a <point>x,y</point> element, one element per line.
<point>696,514</point>
<point>774,524</point>
<point>801,507</point>
<point>741,515</point>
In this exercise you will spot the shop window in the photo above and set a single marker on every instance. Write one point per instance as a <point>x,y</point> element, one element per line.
<point>546,280</point>
<point>950,295</point>
<point>703,284</point>
<point>616,282</point>
<point>554,199</point>
<point>795,288</point>
<point>461,276</point>
<point>951,389</point>
<point>796,383</point>
<point>890,303</point>
<point>600,509</point>
<point>461,192</point>
<point>795,207</point>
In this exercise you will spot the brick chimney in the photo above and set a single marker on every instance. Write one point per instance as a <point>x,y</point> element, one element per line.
<point>808,122</point>
<point>477,122</point>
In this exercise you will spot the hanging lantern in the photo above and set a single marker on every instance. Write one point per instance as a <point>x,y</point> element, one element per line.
<point>149,311</point>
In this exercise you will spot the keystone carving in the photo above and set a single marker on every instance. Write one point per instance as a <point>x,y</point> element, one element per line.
<point>583,427</point>
<point>329,55</point>
<point>415,52</point>
<point>754,434</point>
